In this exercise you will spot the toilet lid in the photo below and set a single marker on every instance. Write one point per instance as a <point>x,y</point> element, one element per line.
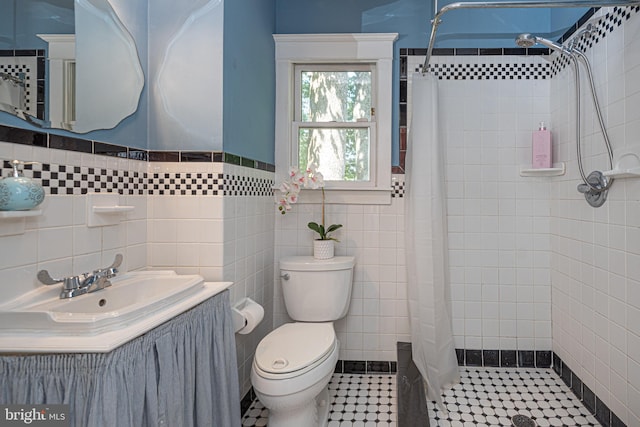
<point>294,346</point>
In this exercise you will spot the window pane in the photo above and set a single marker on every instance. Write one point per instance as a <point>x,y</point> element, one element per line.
<point>335,96</point>
<point>340,154</point>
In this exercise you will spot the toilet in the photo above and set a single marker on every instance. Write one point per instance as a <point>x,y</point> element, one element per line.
<point>293,364</point>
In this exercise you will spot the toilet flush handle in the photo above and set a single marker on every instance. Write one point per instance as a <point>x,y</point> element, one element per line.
<point>285,276</point>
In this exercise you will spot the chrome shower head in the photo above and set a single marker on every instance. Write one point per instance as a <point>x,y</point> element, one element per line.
<point>528,40</point>
<point>525,40</point>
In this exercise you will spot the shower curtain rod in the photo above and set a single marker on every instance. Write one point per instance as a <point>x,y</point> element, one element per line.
<point>513,5</point>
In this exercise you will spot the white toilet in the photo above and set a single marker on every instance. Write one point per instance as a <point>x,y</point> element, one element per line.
<point>294,363</point>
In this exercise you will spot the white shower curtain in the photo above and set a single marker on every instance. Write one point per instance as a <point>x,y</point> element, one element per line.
<point>426,243</point>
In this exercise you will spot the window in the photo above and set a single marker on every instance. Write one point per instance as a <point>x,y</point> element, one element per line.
<point>334,122</point>
<point>333,109</point>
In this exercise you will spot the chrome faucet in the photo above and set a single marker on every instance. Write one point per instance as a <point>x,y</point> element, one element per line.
<point>84,283</point>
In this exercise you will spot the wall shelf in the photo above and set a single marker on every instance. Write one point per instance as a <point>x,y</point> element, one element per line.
<point>558,169</point>
<point>105,209</point>
<point>20,214</point>
<point>13,222</point>
<point>115,209</point>
<point>627,163</point>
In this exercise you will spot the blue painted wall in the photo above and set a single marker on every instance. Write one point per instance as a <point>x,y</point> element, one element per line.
<point>249,79</point>
<point>248,76</point>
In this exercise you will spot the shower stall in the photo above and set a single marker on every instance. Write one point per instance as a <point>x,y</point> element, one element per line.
<point>524,251</point>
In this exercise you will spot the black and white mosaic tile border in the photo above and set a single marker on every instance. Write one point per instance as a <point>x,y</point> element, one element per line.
<point>77,180</point>
<point>602,26</point>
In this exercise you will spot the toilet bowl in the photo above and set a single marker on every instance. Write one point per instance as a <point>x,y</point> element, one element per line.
<point>291,372</point>
<point>294,363</point>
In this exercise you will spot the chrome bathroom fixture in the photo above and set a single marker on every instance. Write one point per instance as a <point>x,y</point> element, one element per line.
<point>528,40</point>
<point>596,185</point>
<point>84,283</point>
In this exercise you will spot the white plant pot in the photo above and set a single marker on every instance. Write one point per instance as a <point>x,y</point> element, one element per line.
<point>323,249</point>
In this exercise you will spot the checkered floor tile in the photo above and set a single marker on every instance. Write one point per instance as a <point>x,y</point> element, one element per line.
<point>492,396</point>
<point>356,400</point>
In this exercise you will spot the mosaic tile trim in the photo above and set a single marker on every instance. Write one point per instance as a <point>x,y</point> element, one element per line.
<point>490,71</point>
<point>397,188</point>
<point>492,396</point>
<point>602,26</point>
<point>76,180</point>
<point>366,400</point>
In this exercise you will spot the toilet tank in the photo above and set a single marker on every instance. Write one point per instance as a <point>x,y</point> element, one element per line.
<point>317,290</point>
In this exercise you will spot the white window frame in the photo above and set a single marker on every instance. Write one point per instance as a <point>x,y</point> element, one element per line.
<point>365,48</point>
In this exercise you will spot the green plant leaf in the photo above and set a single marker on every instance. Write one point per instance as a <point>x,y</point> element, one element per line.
<point>333,227</point>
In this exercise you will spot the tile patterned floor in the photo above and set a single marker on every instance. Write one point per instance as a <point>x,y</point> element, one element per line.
<point>484,397</point>
<point>356,401</point>
<point>491,396</point>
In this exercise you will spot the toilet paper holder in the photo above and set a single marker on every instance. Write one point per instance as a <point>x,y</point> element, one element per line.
<point>246,315</point>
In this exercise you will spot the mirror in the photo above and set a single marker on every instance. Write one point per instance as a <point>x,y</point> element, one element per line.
<point>67,64</point>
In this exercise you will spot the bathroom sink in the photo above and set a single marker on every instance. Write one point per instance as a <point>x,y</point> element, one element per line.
<point>99,321</point>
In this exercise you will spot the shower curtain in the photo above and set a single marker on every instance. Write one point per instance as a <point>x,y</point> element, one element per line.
<point>426,243</point>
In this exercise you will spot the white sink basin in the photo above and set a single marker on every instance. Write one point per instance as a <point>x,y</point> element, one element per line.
<point>100,321</point>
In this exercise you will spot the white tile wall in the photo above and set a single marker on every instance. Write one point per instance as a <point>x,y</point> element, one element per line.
<point>595,252</point>
<point>499,250</point>
<point>377,316</point>
<point>59,239</point>
<point>221,238</point>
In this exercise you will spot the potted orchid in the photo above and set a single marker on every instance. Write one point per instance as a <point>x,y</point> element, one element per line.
<point>323,247</point>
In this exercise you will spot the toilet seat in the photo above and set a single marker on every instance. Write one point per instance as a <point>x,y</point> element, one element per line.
<point>294,348</point>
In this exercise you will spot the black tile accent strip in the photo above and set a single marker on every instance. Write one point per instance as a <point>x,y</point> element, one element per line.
<point>473,357</point>
<point>354,367</point>
<point>68,143</point>
<point>365,367</point>
<point>590,400</point>
<point>164,156</point>
<point>508,358</point>
<point>23,136</point>
<point>48,140</point>
<point>526,359</point>
<point>193,156</point>
<point>491,358</point>
<point>543,359</point>
<point>112,150</point>
<point>504,358</point>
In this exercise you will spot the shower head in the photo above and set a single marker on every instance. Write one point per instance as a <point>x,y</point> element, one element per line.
<point>528,40</point>
<point>525,40</point>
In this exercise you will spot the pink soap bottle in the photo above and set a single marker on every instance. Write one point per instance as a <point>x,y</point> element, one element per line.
<point>541,148</point>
